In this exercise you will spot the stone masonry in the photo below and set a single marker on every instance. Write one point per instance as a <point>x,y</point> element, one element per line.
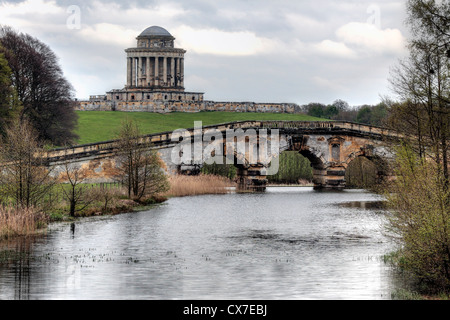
<point>330,146</point>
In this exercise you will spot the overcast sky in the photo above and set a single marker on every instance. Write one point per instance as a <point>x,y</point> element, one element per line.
<point>237,50</point>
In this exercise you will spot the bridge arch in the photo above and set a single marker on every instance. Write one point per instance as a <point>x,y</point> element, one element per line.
<point>361,173</point>
<point>367,171</point>
<point>330,146</point>
<point>317,164</point>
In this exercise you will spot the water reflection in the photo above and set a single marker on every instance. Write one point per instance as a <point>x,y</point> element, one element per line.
<point>16,261</point>
<point>288,243</point>
<point>365,204</point>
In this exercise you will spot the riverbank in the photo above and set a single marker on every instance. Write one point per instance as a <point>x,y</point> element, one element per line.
<point>108,200</point>
<point>112,200</point>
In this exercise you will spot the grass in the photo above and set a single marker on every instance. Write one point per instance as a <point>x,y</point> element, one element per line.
<point>97,126</point>
<point>96,199</point>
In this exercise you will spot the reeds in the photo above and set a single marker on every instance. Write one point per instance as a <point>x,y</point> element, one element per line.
<point>181,185</point>
<point>20,221</point>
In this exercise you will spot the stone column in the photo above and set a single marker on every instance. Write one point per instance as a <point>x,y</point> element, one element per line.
<point>182,72</point>
<point>147,83</point>
<point>334,178</point>
<point>139,72</point>
<point>252,179</point>
<point>165,70</point>
<point>172,72</point>
<point>129,73</point>
<point>156,71</point>
<point>133,72</point>
<point>175,72</point>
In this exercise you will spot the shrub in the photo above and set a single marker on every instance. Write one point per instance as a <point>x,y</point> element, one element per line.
<point>420,217</point>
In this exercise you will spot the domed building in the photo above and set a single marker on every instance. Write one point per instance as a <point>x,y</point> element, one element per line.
<point>155,79</point>
<point>155,83</point>
<point>155,62</point>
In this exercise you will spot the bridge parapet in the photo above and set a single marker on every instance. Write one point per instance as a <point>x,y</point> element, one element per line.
<point>329,145</point>
<point>165,138</point>
<point>321,126</point>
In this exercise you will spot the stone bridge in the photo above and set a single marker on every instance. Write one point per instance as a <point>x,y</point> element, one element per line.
<point>252,146</point>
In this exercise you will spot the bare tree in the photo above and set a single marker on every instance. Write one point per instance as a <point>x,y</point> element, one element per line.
<point>75,190</point>
<point>105,194</point>
<point>140,170</point>
<point>422,82</point>
<point>430,19</point>
<point>24,177</point>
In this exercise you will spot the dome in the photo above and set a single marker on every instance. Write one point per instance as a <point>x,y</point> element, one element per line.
<point>155,31</point>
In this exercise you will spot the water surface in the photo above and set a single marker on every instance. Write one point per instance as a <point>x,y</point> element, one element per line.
<point>286,243</point>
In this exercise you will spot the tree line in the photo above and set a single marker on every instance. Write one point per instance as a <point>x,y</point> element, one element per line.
<point>340,110</point>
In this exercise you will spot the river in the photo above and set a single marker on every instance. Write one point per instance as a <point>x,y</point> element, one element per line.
<point>287,243</point>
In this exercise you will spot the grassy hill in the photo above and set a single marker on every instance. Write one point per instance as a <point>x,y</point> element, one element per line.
<point>96,126</point>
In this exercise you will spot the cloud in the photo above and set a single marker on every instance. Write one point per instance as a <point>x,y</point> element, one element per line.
<point>305,27</point>
<point>334,49</point>
<point>27,13</point>
<point>107,34</point>
<point>29,6</point>
<point>219,42</point>
<point>356,40</point>
<point>370,39</point>
<point>328,84</point>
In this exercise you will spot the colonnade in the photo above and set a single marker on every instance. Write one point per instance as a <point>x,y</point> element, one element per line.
<point>155,71</point>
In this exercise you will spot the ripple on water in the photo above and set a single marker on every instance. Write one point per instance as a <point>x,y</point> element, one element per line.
<point>288,243</point>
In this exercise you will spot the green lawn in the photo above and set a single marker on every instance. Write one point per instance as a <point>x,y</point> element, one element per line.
<point>96,126</point>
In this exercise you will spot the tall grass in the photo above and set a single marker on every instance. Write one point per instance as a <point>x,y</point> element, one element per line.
<point>20,221</point>
<point>181,186</point>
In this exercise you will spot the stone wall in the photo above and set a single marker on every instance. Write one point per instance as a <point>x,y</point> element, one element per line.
<point>166,106</point>
<point>251,107</point>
